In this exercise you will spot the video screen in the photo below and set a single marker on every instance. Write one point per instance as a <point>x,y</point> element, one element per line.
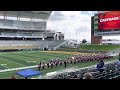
<point>109,21</point>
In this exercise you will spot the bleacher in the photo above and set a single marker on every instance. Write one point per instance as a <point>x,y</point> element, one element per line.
<point>8,23</point>
<point>40,44</point>
<point>17,27</point>
<point>18,24</point>
<point>110,73</point>
<point>49,34</point>
<point>25,34</point>
<point>37,34</point>
<point>0,33</point>
<point>39,25</point>
<point>22,24</point>
<point>27,25</point>
<point>9,34</point>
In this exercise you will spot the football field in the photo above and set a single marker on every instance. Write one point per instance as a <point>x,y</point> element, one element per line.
<point>11,60</point>
<point>18,59</point>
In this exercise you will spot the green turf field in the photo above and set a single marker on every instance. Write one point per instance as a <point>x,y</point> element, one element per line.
<point>9,60</point>
<point>25,58</point>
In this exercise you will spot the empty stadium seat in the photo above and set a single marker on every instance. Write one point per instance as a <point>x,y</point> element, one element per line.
<point>8,23</point>
<point>39,25</point>
<point>27,24</point>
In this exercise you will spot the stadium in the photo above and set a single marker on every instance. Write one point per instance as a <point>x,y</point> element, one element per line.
<point>29,50</point>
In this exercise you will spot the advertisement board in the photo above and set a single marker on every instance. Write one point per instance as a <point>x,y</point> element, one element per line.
<point>107,23</point>
<point>109,20</point>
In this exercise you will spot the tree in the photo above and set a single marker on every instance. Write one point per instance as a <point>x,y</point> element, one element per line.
<point>84,41</point>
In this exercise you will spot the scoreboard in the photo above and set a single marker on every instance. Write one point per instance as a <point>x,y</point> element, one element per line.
<point>107,23</point>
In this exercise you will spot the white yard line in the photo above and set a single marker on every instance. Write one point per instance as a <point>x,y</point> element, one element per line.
<point>6,70</point>
<point>4,66</point>
<point>13,62</point>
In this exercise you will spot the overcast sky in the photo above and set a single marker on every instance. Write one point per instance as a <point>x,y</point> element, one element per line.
<point>74,24</point>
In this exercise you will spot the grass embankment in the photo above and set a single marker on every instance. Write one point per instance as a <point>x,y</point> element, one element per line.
<point>91,47</point>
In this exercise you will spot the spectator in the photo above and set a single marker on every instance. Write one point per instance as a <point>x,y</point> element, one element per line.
<point>26,78</point>
<point>100,66</point>
<point>118,64</point>
<point>88,76</point>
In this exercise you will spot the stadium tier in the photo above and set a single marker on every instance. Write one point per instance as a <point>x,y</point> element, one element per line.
<point>22,24</point>
<point>27,27</point>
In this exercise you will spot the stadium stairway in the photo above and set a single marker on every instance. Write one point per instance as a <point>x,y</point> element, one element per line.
<point>56,44</point>
<point>51,44</point>
<point>61,44</point>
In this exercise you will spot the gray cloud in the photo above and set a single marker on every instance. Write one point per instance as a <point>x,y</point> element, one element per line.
<point>86,12</point>
<point>71,23</point>
<point>57,16</point>
<point>72,16</point>
<point>82,29</point>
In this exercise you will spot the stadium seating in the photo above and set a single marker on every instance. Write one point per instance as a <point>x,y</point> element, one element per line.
<point>22,24</point>
<point>39,25</point>
<point>24,34</point>
<point>9,34</point>
<point>37,34</point>
<point>0,33</point>
<point>40,44</point>
<point>8,23</point>
<point>18,24</point>
<point>49,34</point>
<point>27,25</point>
<point>79,74</point>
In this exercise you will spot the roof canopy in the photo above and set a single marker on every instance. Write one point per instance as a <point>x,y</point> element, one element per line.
<point>33,14</point>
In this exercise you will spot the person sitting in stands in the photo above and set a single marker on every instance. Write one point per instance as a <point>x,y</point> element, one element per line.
<point>118,64</point>
<point>100,66</point>
<point>88,76</point>
<point>25,78</point>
